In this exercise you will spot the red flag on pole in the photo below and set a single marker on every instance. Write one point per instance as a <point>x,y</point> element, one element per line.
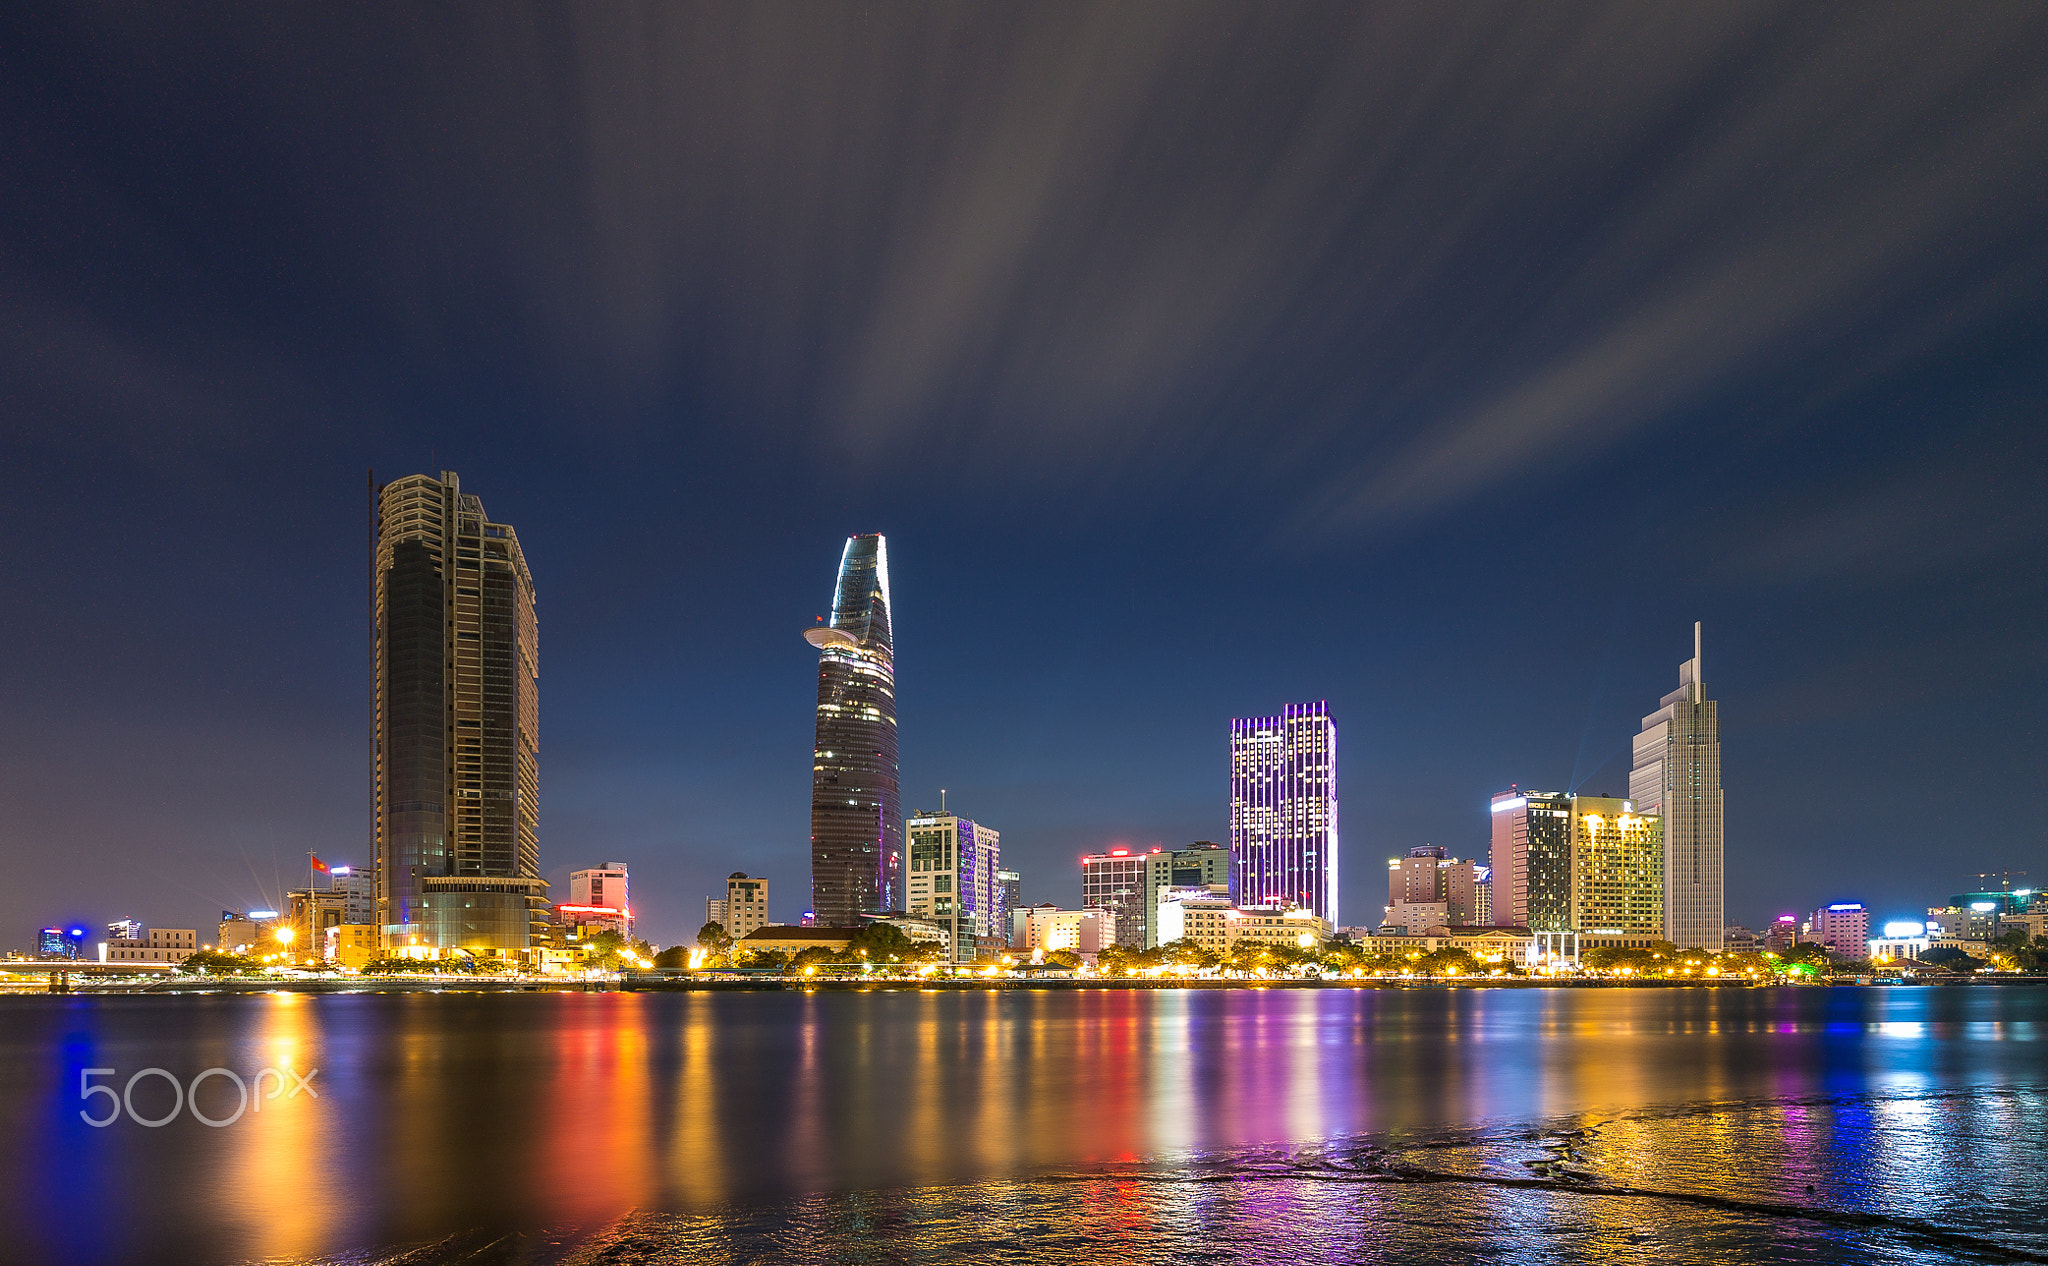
<point>318,864</point>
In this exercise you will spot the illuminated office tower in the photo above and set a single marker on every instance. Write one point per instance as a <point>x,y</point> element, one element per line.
<point>1677,777</point>
<point>1283,809</point>
<point>1532,860</point>
<point>456,655</point>
<point>952,879</point>
<point>856,815</point>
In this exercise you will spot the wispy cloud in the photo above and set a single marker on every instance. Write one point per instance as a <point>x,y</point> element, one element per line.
<point>1379,256</point>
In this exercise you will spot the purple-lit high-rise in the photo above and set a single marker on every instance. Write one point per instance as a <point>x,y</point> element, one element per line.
<point>1283,809</point>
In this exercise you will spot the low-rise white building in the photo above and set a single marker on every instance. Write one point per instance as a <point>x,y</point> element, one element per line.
<point>1040,930</point>
<point>159,945</point>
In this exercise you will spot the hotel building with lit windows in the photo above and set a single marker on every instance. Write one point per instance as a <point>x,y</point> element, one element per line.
<point>1677,777</point>
<point>1283,809</point>
<point>1617,874</point>
<point>951,879</point>
<point>1578,871</point>
<point>856,811</point>
<point>456,670</point>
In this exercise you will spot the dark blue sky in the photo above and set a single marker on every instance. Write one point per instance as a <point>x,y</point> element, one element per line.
<point>1444,362</point>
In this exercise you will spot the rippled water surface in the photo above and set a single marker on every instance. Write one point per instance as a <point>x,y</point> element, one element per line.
<point>1823,1125</point>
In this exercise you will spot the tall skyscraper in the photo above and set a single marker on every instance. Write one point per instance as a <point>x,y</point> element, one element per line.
<point>1283,809</point>
<point>456,655</point>
<point>951,879</point>
<point>856,814</point>
<point>1677,776</point>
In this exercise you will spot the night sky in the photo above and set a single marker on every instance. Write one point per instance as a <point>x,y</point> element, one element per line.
<point>1443,362</point>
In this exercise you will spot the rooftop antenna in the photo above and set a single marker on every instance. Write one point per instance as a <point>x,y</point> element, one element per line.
<point>1696,674</point>
<point>942,800</point>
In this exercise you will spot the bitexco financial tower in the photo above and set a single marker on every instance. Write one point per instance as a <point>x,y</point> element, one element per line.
<point>856,812</point>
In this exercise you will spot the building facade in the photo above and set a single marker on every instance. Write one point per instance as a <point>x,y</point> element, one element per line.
<point>352,946</point>
<point>1283,809</point>
<point>950,879</point>
<point>1532,860</point>
<point>1413,918</point>
<point>856,812</point>
<point>745,908</point>
<point>1196,915</point>
<point>1617,872</point>
<point>1202,864</point>
<point>602,885</point>
<point>1428,876</point>
<point>1042,929</point>
<point>1782,934</point>
<point>1009,897</point>
<point>457,725</point>
<point>60,943</point>
<point>1677,777</point>
<point>357,887</point>
<point>1115,881</point>
<point>1291,926</point>
<point>157,945</point>
<point>309,912</point>
<point>1843,927</point>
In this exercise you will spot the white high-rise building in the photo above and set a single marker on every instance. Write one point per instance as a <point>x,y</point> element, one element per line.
<point>1678,775</point>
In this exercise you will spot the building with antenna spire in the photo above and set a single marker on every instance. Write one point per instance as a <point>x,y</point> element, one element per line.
<point>1677,776</point>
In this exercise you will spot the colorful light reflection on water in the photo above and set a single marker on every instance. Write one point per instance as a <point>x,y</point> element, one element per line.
<point>1243,1124</point>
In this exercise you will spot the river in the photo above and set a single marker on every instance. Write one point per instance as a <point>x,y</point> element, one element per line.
<point>1332,1125</point>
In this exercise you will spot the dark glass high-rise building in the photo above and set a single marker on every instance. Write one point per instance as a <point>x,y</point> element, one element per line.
<point>856,814</point>
<point>456,663</point>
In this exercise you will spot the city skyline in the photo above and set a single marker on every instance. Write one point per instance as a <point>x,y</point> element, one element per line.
<point>1451,407</point>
